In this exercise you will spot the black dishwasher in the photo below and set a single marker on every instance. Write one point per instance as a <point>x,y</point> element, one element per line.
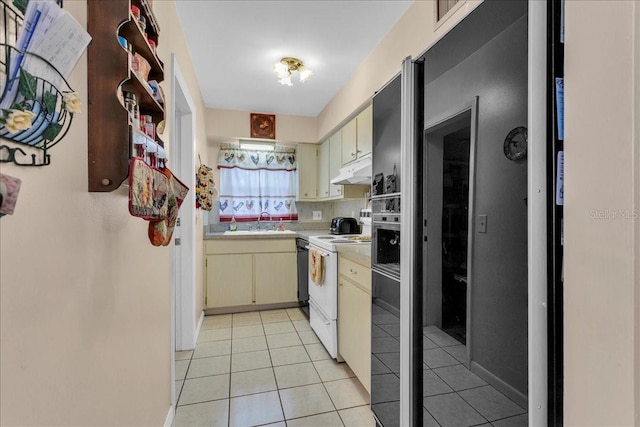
<point>302,247</point>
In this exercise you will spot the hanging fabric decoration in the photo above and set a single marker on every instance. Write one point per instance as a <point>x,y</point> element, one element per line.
<point>9,189</point>
<point>205,187</point>
<point>280,158</point>
<point>160,232</point>
<point>155,195</point>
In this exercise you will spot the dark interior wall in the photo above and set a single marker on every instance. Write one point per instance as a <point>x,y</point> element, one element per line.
<point>497,74</point>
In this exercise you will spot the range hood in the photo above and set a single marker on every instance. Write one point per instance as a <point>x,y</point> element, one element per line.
<point>356,173</point>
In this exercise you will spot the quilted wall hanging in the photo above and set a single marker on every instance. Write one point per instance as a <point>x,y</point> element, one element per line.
<point>205,187</point>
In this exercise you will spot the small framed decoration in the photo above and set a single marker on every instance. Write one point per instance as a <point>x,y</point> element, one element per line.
<point>263,126</point>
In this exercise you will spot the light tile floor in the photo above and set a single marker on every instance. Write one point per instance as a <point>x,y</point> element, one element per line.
<point>265,368</point>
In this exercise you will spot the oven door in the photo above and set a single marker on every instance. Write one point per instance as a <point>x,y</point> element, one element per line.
<point>385,253</point>
<point>325,295</point>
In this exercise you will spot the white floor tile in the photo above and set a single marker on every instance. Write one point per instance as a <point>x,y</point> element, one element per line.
<point>255,409</point>
<point>306,400</point>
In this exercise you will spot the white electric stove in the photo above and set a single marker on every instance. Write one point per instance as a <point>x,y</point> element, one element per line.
<point>323,299</point>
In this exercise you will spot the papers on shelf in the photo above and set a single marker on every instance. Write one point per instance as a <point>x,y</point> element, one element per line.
<point>52,33</point>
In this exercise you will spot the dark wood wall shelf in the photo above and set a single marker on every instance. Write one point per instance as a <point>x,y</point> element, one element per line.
<point>109,73</point>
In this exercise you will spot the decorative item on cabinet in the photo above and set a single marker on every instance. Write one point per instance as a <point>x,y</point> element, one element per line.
<point>36,102</point>
<point>116,135</point>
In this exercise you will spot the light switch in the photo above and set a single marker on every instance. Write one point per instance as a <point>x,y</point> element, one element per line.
<point>317,215</point>
<point>482,224</point>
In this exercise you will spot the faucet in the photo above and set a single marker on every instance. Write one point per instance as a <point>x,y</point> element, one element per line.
<point>260,218</point>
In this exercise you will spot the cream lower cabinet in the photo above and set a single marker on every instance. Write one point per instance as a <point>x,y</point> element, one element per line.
<point>273,277</point>
<point>354,318</point>
<point>246,272</point>
<point>229,280</point>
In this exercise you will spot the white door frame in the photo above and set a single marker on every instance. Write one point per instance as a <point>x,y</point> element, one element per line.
<point>537,213</point>
<point>183,295</point>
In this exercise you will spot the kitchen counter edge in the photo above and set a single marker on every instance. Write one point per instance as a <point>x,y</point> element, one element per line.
<point>305,234</point>
<point>360,254</point>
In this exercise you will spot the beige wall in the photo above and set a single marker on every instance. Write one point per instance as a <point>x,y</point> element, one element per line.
<point>601,302</point>
<point>229,125</point>
<point>84,297</point>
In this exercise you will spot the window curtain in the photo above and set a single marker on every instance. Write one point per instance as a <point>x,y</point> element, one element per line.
<point>255,182</point>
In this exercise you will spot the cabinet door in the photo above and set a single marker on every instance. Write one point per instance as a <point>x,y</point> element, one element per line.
<point>335,162</point>
<point>229,280</point>
<point>349,140</point>
<point>276,277</point>
<point>307,156</point>
<point>365,131</point>
<point>354,333</point>
<point>323,170</point>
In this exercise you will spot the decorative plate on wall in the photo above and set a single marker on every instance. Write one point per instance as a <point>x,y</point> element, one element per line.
<point>263,126</point>
<point>515,144</point>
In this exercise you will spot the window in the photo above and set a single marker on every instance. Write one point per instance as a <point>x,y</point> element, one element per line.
<point>255,182</point>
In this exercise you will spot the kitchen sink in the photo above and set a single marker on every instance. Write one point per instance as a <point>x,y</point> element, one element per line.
<point>246,233</point>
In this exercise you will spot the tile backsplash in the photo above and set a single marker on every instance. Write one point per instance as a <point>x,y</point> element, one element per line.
<point>348,208</point>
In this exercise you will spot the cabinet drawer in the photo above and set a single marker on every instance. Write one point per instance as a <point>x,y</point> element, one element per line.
<point>355,272</point>
<point>248,246</point>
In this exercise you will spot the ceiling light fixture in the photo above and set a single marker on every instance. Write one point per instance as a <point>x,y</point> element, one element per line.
<point>287,66</point>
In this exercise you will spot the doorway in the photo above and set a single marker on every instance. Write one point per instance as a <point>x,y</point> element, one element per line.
<point>448,179</point>
<point>182,164</point>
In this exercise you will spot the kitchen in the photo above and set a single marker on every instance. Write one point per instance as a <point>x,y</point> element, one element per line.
<point>98,308</point>
<point>356,174</point>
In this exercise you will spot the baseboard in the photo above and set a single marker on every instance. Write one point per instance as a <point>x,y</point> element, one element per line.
<point>198,327</point>
<point>500,385</point>
<point>170,416</point>
<point>252,307</point>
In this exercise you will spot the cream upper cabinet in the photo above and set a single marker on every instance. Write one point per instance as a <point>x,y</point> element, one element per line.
<point>307,157</point>
<point>357,136</point>
<point>335,162</point>
<point>323,170</point>
<point>365,131</point>
<point>349,142</point>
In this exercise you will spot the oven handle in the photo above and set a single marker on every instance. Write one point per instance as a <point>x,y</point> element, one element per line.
<point>324,254</point>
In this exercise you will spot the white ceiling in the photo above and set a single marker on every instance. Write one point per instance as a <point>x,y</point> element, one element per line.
<point>234,44</point>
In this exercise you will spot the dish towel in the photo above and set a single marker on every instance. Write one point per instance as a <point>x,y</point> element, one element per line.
<point>316,266</point>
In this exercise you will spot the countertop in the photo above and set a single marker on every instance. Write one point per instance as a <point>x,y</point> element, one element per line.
<point>272,235</point>
<point>356,253</point>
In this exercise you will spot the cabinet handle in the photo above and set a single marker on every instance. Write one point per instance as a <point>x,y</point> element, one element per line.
<point>358,151</point>
<point>353,154</point>
<point>353,272</point>
<point>340,283</point>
